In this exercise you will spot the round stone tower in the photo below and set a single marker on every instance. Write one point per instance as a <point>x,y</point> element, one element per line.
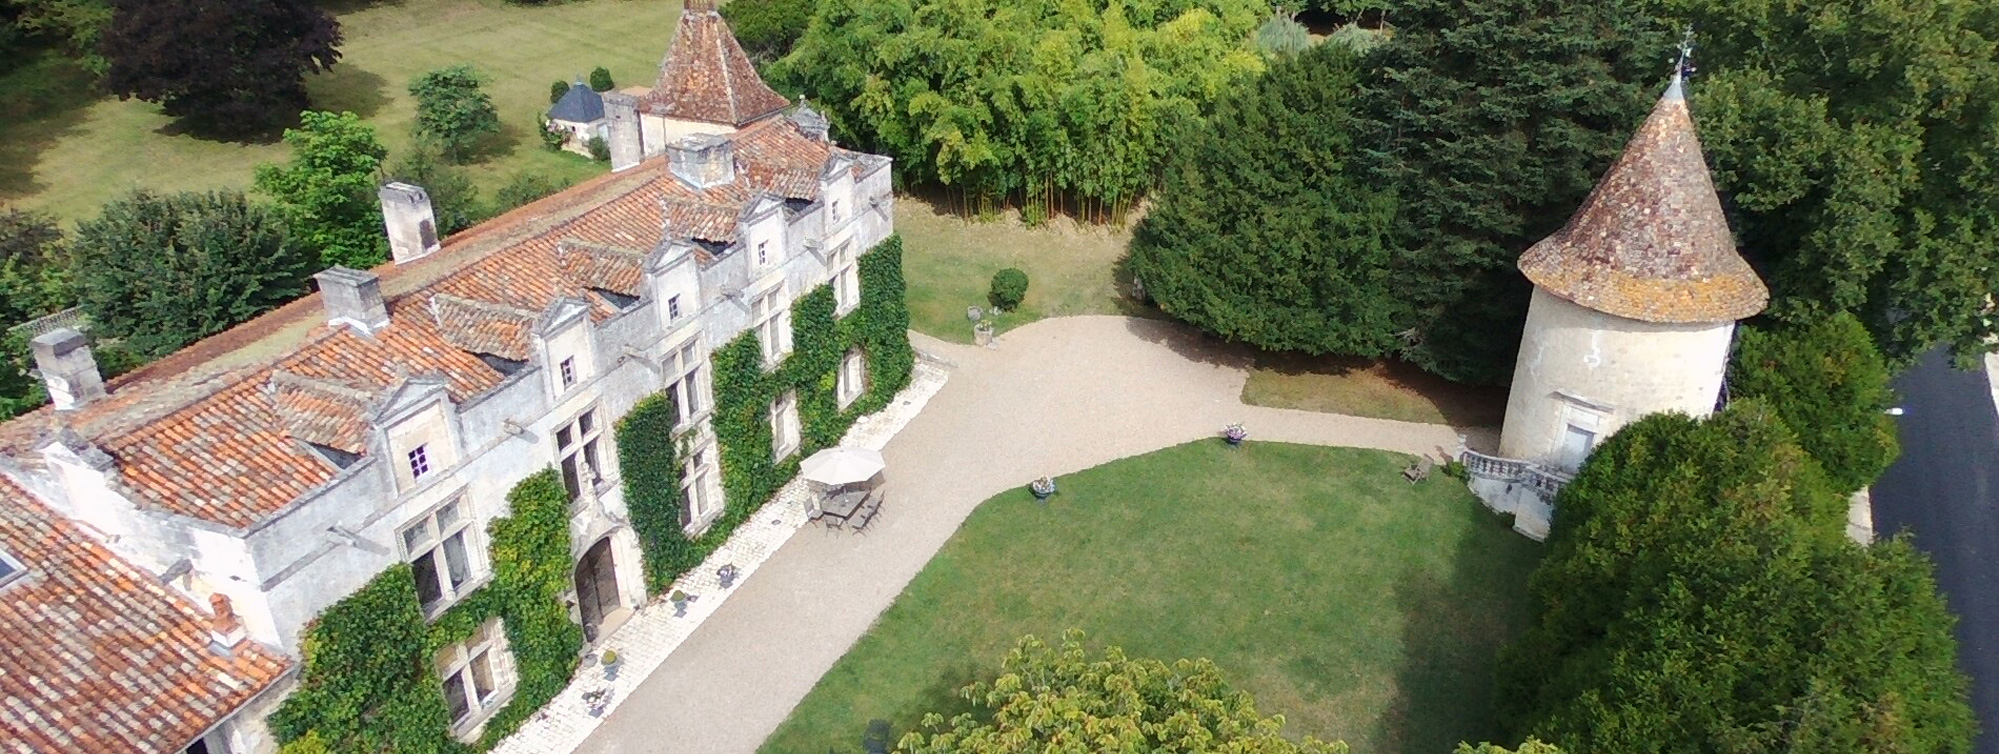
<point>1635,300</point>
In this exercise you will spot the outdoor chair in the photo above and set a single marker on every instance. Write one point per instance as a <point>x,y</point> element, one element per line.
<point>1418,471</point>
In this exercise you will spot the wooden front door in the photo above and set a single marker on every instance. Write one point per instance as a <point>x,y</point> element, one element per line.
<point>597,587</point>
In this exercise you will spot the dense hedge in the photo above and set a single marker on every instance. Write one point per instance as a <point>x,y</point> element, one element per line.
<point>369,684</point>
<point>744,390</point>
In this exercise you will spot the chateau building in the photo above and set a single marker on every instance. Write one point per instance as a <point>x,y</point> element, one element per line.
<point>167,537</point>
<point>1633,313</point>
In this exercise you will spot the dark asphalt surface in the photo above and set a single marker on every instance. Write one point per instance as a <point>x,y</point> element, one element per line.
<point>1941,490</point>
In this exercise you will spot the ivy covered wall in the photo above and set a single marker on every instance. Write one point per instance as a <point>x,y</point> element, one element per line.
<point>369,684</point>
<point>744,390</point>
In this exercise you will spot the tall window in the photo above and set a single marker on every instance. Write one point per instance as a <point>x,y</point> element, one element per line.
<point>836,210</point>
<point>846,280</point>
<point>673,308</point>
<point>475,675</point>
<point>694,496</point>
<point>576,445</point>
<point>784,424</point>
<point>439,555</point>
<point>853,379</point>
<point>685,370</point>
<point>772,320</point>
<point>568,369</point>
<point>763,253</point>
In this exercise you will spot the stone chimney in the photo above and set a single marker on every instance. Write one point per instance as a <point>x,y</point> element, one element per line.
<point>353,298</point>
<point>68,369</point>
<point>624,136</point>
<point>412,226</point>
<point>224,628</point>
<point>810,122</point>
<point>702,160</point>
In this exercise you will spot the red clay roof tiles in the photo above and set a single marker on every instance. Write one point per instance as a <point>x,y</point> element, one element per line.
<point>707,76</point>
<point>101,657</point>
<point>1651,243</point>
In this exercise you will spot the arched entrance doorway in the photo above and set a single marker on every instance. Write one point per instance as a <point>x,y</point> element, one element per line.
<point>597,587</point>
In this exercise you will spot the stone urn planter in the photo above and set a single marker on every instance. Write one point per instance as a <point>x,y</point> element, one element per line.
<point>1042,488</point>
<point>680,600</point>
<point>1234,434</point>
<point>982,333</point>
<point>727,575</point>
<point>597,700</point>
<point>611,662</point>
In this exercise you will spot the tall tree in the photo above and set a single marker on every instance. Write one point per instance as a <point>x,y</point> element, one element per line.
<point>31,276</point>
<point>767,29</point>
<point>1699,596</point>
<point>1830,384</point>
<point>452,112</point>
<point>1491,121</point>
<point>1059,699</point>
<point>163,271</point>
<point>1859,145</point>
<point>228,66</point>
<point>1262,233</point>
<point>327,190</point>
<point>1038,99</point>
<point>73,25</point>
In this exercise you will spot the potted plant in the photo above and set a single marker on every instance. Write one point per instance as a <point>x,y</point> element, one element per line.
<point>609,659</point>
<point>1235,434</point>
<point>727,573</point>
<point>680,600</point>
<point>1042,488</point>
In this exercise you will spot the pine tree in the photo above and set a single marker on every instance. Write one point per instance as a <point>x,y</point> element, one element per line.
<point>1261,233</point>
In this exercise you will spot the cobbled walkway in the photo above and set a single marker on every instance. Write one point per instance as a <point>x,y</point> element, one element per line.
<point>1054,397</point>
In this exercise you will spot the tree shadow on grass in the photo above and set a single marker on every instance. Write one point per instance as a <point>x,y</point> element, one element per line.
<point>940,696</point>
<point>1454,626</point>
<point>349,88</point>
<point>1461,405</point>
<point>40,104</point>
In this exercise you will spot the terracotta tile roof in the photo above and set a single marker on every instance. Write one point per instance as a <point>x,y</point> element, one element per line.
<point>100,657</point>
<point>707,76</point>
<point>230,445</point>
<point>1651,243</point>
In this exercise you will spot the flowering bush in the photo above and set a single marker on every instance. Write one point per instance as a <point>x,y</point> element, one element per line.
<point>1234,433</point>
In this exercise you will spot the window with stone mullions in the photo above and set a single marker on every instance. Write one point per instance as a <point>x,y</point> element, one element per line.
<point>772,321</point>
<point>576,445</point>
<point>439,555</point>
<point>473,676</point>
<point>846,280</point>
<point>685,370</point>
<point>694,498</point>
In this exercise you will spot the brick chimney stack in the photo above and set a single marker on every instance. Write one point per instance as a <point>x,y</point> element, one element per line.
<point>224,628</point>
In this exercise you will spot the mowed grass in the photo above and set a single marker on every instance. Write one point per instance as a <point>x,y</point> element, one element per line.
<point>949,264</point>
<point>1378,389</point>
<point>70,154</point>
<point>1359,606</point>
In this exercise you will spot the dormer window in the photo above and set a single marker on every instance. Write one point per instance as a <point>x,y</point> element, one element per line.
<point>763,253</point>
<point>673,309</point>
<point>568,369</point>
<point>419,458</point>
<point>836,210</point>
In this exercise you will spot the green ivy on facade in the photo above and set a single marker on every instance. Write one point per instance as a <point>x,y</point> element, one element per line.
<point>744,390</point>
<point>369,684</point>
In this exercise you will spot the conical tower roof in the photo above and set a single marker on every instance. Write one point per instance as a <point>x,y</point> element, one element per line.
<point>706,75</point>
<point>1651,243</point>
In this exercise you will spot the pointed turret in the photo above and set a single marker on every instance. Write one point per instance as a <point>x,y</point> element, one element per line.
<point>1651,243</point>
<point>707,77</point>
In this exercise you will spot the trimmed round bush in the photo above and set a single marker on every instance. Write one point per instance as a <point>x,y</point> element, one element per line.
<point>556,90</point>
<point>1009,289</point>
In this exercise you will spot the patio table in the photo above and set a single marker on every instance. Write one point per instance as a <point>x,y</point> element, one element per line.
<point>843,504</point>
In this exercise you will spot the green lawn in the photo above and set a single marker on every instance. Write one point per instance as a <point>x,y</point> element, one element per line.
<point>1373,388</point>
<point>949,262</point>
<point>1357,605</point>
<point>78,149</point>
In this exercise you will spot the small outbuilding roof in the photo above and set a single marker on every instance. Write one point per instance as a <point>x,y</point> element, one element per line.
<point>1651,243</point>
<point>580,105</point>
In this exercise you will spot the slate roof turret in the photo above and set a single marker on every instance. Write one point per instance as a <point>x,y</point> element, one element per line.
<point>1651,242</point>
<point>580,104</point>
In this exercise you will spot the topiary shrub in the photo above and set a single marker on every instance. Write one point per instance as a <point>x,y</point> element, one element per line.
<point>600,79</point>
<point>1009,288</point>
<point>556,90</point>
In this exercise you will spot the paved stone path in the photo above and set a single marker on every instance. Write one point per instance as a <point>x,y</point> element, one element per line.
<point>1054,397</point>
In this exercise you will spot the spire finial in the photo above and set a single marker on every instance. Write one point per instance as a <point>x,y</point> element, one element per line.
<point>1683,66</point>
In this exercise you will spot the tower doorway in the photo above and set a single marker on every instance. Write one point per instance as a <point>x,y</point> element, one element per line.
<point>597,587</point>
<point>1576,445</point>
